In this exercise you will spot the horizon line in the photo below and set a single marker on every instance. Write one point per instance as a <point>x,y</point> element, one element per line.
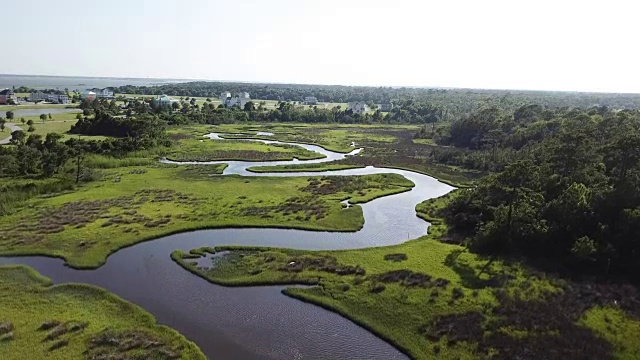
<point>185,80</point>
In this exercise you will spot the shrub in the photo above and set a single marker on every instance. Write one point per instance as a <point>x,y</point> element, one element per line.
<point>395,257</point>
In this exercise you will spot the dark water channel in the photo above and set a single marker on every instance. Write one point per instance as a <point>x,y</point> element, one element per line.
<point>255,322</point>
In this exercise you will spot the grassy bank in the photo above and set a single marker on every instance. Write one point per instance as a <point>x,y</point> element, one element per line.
<point>74,321</point>
<point>435,300</point>
<point>133,204</point>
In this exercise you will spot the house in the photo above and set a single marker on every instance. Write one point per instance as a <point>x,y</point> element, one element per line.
<point>89,95</point>
<point>240,100</point>
<point>163,100</point>
<point>38,96</point>
<point>310,100</point>
<point>385,107</point>
<point>99,93</point>
<point>56,98</point>
<point>7,96</point>
<point>358,107</point>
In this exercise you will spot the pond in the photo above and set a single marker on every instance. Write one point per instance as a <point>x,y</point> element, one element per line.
<point>18,113</point>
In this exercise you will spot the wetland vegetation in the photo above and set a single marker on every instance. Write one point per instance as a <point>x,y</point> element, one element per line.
<point>433,299</point>
<point>75,321</point>
<point>122,208</point>
<point>537,258</point>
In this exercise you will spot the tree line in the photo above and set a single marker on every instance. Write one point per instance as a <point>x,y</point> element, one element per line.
<point>568,192</point>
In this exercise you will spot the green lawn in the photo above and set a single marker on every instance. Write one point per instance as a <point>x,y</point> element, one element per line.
<point>132,204</point>
<point>60,124</point>
<point>74,321</point>
<point>435,300</point>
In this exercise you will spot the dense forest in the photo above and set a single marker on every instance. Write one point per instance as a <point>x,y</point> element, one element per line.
<point>565,185</point>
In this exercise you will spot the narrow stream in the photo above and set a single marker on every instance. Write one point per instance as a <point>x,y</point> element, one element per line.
<point>255,322</point>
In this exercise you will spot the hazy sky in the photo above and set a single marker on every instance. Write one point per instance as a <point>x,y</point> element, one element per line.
<point>555,45</point>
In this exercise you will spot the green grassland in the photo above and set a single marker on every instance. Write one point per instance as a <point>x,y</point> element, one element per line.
<point>436,300</point>
<point>131,204</point>
<point>57,126</point>
<point>74,321</point>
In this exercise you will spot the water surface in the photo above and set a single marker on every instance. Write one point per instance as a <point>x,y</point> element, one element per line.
<point>255,322</point>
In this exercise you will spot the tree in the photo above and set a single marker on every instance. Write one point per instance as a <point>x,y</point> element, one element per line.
<point>54,154</point>
<point>50,117</point>
<point>248,106</point>
<point>43,117</point>
<point>9,115</point>
<point>79,116</point>
<point>22,120</point>
<point>29,122</point>
<point>175,105</point>
<point>31,128</point>
<point>2,125</point>
<point>17,137</point>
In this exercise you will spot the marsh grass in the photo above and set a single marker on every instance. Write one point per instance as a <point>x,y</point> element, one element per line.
<point>432,299</point>
<point>68,322</point>
<point>133,204</point>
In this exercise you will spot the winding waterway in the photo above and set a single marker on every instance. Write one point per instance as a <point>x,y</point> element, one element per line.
<point>255,322</point>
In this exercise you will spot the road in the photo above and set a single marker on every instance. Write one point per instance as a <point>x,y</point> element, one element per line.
<point>12,127</point>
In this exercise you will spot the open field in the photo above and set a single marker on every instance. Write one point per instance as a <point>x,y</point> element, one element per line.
<point>132,204</point>
<point>57,126</point>
<point>435,300</point>
<point>74,321</point>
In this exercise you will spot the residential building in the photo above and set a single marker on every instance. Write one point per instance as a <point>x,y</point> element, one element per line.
<point>358,107</point>
<point>163,100</point>
<point>89,95</point>
<point>240,100</point>
<point>7,96</point>
<point>38,96</point>
<point>58,98</point>
<point>385,107</point>
<point>99,93</point>
<point>310,100</point>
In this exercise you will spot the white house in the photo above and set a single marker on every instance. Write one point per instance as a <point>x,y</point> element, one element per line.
<point>239,100</point>
<point>52,98</point>
<point>310,100</point>
<point>164,100</point>
<point>99,93</point>
<point>358,107</point>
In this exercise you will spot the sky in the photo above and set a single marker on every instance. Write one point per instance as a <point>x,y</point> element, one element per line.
<point>518,44</point>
